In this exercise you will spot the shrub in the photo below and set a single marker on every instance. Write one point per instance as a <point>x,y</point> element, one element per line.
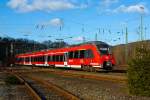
<point>12,80</point>
<point>139,73</point>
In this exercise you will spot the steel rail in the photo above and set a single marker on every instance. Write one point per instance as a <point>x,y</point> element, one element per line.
<point>32,92</point>
<point>57,89</point>
<point>79,75</point>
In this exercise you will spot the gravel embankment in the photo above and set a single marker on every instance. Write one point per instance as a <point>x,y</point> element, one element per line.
<point>87,89</point>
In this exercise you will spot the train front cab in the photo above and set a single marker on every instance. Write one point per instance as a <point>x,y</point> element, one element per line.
<point>106,59</point>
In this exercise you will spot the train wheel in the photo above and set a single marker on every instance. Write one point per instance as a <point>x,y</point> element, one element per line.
<point>91,68</point>
<point>82,67</point>
<point>94,69</point>
<point>54,66</point>
<point>88,68</point>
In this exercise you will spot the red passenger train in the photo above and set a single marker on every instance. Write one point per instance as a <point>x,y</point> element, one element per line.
<point>87,56</point>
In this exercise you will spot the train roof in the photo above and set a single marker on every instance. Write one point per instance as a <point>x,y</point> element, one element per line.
<point>90,42</point>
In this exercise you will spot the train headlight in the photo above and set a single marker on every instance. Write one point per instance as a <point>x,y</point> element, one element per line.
<point>108,63</point>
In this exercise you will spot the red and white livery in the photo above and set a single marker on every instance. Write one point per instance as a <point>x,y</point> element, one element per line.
<point>87,56</point>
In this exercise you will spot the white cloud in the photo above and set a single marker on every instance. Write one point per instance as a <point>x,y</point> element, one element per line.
<point>56,22</point>
<point>107,3</point>
<point>42,5</point>
<point>80,38</point>
<point>138,8</point>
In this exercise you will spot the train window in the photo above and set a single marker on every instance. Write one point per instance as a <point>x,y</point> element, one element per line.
<point>53,58</point>
<point>61,58</point>
<point>70,54</point>
<point>39,59</point>
<point>32,59</point>
<point>27,59</point>
<point>19,60</point>
<point>104,49</point>
<point>22,59</point>
<point>36,59</point>
<point>82,53</point>
<point>76,54</point>
<point>89,54</point>
<point>42,59</point>
<point>57,58</point>
<point>49,58</point>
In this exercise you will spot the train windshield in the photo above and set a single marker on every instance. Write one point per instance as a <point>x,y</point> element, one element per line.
<point>104,49</point>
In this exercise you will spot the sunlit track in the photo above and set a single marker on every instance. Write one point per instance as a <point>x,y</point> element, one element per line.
<point>31,91</point>
<point>90,76</point>
<point>66,94</point>
<point>42,90</point>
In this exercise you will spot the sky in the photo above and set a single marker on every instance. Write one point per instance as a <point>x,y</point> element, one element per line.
<point>75,21</point>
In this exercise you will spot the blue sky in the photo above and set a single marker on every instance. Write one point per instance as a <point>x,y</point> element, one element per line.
<point>62,19</point>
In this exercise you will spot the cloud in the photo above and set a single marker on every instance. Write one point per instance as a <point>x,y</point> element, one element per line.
<point>56,22</point>
<point>80,38</point>
<point>107,3</point>
<point>41,5</point>
<point>138,8</point>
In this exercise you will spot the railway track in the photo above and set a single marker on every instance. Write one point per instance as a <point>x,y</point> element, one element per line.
<point>92,76</point>
<point>42,90</point>
<point>80,74</point>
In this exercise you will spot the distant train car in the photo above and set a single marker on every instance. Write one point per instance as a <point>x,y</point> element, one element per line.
<point>88,56</point>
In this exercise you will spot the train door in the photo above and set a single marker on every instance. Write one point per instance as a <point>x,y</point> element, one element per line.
<point>30,60</point>
<point>66,59</point>
<point>24,61</point>
<point>46,60</point>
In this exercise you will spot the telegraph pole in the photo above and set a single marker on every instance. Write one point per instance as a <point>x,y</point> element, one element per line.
<point>83,39</point>
<point>126,47</point>
<point>141,28</point>
<point>126,35</point>
<point>145,32</point>
<point>142,8</point>
<point>95,36</point>
<point>11,49</point>
<point>99,31</point>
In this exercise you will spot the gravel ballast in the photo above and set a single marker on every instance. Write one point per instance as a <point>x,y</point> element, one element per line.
<point>12,92</point>
<point>88,89</point>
